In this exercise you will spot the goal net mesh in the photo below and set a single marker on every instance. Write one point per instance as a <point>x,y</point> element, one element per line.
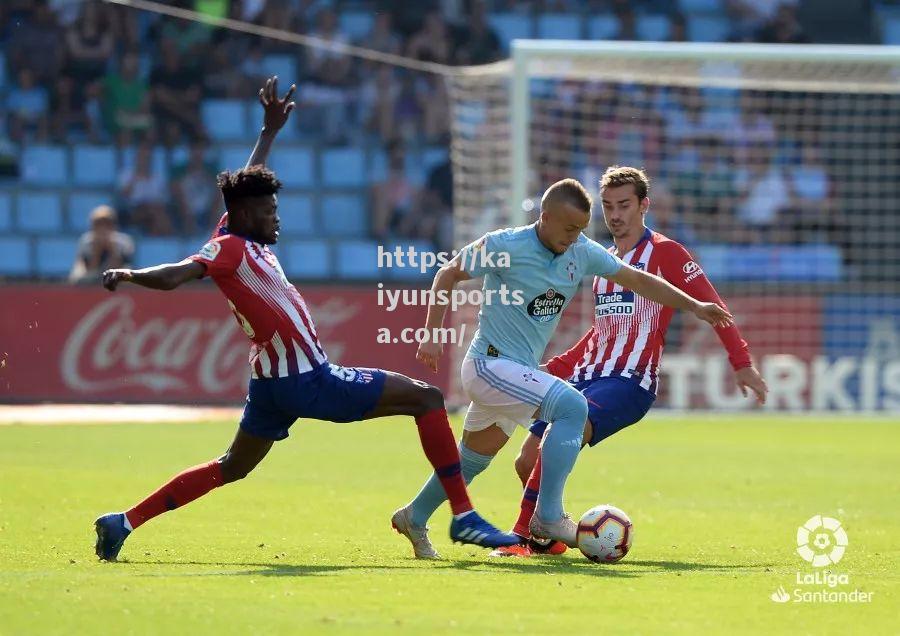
<point>780,176</point>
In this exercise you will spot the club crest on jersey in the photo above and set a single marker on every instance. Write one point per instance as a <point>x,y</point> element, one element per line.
<point>210,250</point>
<point>620,303</point>
<point>640,266</point>
<point>547,306</point>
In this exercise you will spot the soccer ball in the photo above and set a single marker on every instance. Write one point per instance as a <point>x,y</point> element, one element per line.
<point>604,534</point>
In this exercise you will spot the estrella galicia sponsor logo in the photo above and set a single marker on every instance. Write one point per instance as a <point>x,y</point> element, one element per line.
<point>619,303</point>
<point>547,306</point>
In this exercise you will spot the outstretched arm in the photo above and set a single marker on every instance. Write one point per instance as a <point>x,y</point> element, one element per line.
<point>445,280</point>
<point>276,112</point>
<point>165,277</point>
<point>665,293</point>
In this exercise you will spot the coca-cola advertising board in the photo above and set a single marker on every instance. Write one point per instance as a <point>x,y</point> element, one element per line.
<point>69,344</point>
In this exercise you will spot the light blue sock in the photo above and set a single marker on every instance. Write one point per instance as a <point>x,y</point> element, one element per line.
<point>432,494</point>
<point>566,409</point>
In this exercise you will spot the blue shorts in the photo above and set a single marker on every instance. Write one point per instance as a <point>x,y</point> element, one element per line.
<point>330,392</point>
<point>613,404</point>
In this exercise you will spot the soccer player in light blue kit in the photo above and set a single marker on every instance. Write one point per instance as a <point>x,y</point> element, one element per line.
<point>542,265</point>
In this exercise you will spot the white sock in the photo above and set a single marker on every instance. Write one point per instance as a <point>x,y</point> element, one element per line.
<point>463,514</point>
<point>127,522</point>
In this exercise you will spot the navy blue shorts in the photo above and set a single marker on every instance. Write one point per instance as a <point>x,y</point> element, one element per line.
<point>331,392</point>
<point>613,404</point>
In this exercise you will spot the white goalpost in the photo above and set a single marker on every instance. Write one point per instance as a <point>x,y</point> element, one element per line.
<point>777,166</point>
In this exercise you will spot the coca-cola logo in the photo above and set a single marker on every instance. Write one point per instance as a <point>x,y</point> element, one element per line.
<point>111,347</point>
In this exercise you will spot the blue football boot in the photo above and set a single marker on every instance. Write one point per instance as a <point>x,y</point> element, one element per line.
<point>111,535</point>
<point>474,530</point>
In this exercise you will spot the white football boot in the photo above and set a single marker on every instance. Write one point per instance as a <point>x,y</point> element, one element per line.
<point>417,535</point>
<point>563,529</point>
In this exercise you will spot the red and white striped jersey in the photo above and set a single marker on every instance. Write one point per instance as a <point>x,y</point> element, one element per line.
<point>629,331</point>
<point>268,308</point>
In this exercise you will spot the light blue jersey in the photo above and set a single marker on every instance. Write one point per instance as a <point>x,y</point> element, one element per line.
<point>545,281</point>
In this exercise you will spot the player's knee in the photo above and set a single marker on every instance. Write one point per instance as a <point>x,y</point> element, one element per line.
<point>233,469</point>
<point>430,398</point>
<point>569,408</point>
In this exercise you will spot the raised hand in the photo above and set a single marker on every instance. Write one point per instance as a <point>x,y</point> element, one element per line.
<point>276,110</point>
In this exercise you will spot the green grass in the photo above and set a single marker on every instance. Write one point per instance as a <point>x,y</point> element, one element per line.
<point>304,544</point>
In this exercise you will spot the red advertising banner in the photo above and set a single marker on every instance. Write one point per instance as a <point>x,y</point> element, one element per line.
<point>88,345</point>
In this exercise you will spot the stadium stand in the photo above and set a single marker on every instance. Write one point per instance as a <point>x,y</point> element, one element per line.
<point>65,171</point>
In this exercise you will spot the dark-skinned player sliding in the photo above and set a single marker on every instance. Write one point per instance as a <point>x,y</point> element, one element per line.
<point>291,377</point>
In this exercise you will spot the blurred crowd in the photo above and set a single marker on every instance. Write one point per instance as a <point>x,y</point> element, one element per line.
<point>99,73</point>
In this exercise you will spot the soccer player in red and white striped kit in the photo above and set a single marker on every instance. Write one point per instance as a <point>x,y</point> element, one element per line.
<point>616,363</point>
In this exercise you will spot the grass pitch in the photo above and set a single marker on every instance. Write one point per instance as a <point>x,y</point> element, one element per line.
<point>304,544</point>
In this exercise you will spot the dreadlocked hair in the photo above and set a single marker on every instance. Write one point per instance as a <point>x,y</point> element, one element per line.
<point>253,181</point>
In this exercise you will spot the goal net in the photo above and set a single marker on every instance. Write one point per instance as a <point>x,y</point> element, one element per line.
<point>776,166</point>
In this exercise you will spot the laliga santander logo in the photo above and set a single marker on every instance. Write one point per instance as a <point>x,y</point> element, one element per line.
<point>821,541</point>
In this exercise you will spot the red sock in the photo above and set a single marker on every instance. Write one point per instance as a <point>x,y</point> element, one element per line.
<point>440,449</point>
<point>529,500</point>
<point>182,489</point>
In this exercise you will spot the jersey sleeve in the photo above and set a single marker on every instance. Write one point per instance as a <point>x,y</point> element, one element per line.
<point>563,365</point>
<point>680,269</point>
<point>600,262</point>
<point>221,256</point>
<point>481,256</point>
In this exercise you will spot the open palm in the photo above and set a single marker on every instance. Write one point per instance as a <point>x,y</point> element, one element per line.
<point>276,110</point>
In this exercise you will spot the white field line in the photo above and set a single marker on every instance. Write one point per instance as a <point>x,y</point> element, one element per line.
<point>50,414</point>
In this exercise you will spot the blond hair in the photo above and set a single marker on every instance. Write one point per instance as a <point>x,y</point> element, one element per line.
<point>568,191</point>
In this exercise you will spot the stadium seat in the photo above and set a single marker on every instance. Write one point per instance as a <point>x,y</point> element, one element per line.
<point>94,165</point>
<point>653,28</point>
<point>39,212</point>
<point>297,214</point>
<point>154,251</point>
<point>294,166</point>
<point>344,215</point>
<point>225,119</point>
<point>5,212</point>
<point>80,206</point>
<point>233,157</point>
<point>355,24</point>
<point>358,260</point>
<point>15,256</point>
<point>159,160</point>
<point>408,273</point>
<point>55,256</point>
<point>701,6</point>
<point>306,259</point>
<point>704,28</point>
<point>510,26</point>
<point>433,156</point>
<point>284,66</point>
<point>890,31</point>
<point>603,27</point>
<point>44,165</point>
<point>559,26</point>
<point>343,167</point>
